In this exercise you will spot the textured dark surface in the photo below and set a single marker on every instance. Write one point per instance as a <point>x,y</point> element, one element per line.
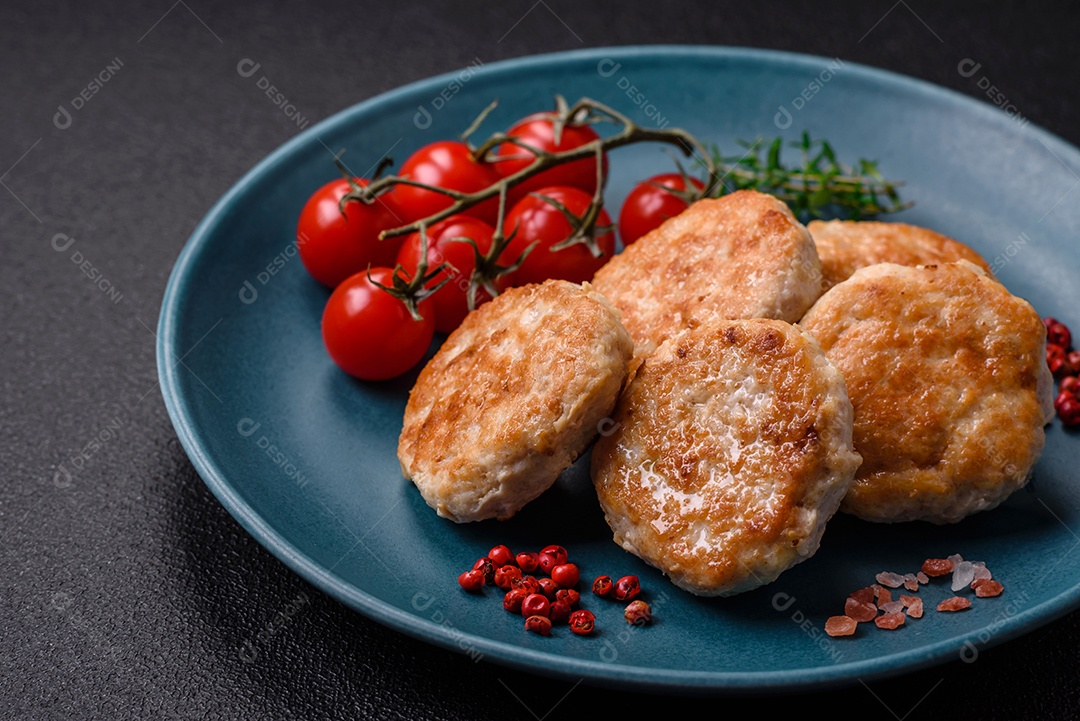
<point>126,591</point>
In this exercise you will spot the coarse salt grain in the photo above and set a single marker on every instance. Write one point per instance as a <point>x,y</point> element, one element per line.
<point>956,603</point>
<point>937,566</point>
<point>986,587</point>
<point>963,575</point>
<point>864,595</point>
<point>861,611</point>
<point>890,621</point>
<point>840,626</point>
<point>892,607</point>
<point>915,608</point>
<point>892,580</point>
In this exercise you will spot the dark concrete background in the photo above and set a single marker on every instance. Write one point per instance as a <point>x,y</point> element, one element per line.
<point>126,590</point>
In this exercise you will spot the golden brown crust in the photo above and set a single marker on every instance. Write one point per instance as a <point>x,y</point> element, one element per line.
<point>743,255</point>
<point>731,449</point>
<point>947,373</point>
<point>512,398</point>
<point>844,246</point>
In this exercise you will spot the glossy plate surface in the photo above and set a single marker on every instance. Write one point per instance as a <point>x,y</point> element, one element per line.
<point>304,457</point>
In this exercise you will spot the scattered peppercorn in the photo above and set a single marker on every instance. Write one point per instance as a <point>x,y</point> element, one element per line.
<point>550,599</point>
<point>538,624</point>
<point>626,588</point>
<point>638,613</point>
<point>582,622</point>
<point>549,588</point>
<point>513,598</point>
<point>500,556</point>
<point>535,604</point>
<point>527,561</point>
<point>560,611</point>
<point>569,595</point>
<point>552,556</point>
<point>506,575</point>
<point>487,567</point>
<point>529,583</point>
<point>472,581</point>
<point>1057,333</point>
<point>566,575</point>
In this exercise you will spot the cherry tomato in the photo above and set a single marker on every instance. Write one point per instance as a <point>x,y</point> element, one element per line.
<point>369,333</point>
<point>334,244</point>
<point>538,131</point>
<point>445,164</point>
<point>538,221</point>
<point>647,206</point>
<point>451,301</point>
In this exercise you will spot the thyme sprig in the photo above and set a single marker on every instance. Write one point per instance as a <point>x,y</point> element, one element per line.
<point>818,186</point>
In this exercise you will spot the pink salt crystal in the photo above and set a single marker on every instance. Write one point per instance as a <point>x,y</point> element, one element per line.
<point>892,580</point>
<point>956,603</point>
<point>963,575</point>
<point>861,611</point>
<point>915,610</point>
<point>890,621</point>
<point>892,607</point>
<point>863,595</point>
<point>986,587</point>
<point>840,626</point>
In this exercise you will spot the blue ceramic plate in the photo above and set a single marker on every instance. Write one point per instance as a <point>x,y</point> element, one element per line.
<point>304,457</point>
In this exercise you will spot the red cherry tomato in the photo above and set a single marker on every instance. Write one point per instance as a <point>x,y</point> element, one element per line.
<point>647,206</point>
<point>369,333</point>
<point>451,301</point>
<point>538,131</point>
<point>445,164</point>
<point>333,244</point>
<point>538,221</point>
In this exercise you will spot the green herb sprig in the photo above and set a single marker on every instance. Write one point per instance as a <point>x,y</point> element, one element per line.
<point>819,186</point>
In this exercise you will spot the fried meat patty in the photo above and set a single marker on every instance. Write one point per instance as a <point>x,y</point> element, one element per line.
<point>512,398</point>
<point>742,255</point>
<point>947,374</point>
<point>844,246</point>
<point>732,449</point>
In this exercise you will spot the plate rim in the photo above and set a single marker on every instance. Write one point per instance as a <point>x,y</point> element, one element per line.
<point>597,672</point>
